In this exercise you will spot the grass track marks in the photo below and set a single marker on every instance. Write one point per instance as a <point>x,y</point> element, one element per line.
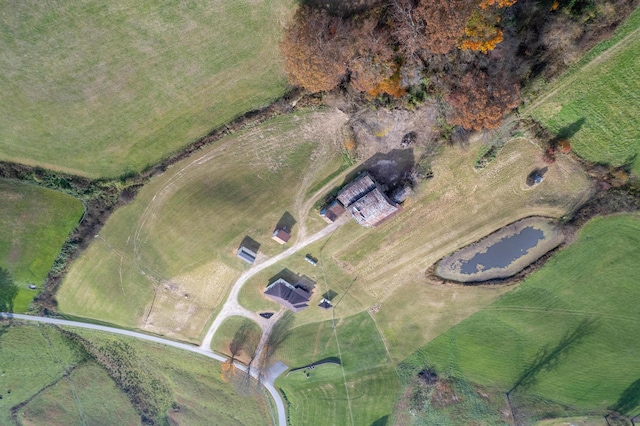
<point>593,280</point>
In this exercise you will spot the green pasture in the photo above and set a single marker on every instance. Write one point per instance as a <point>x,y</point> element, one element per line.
<point>567,334</point>
<point>100,89</point>
<point>321,398</point>
<point>227,330</point>
<point>35,358</point>
<point>594,105</point>
<point>199,393</point>
<point>34,223</point>
<point>87,396</point>
<point>178,239</point>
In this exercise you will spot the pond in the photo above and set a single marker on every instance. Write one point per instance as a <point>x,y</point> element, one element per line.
<point>503,253</point>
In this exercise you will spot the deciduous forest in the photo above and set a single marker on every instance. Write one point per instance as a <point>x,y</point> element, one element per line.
<point>474,56</point>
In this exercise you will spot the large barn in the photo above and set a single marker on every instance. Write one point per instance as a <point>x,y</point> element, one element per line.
<point>366,202</point>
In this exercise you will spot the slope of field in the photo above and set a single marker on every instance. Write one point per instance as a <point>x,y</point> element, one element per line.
<point>568,333</point>
<point>100,89</point>
<point>165,262</point>
<point>362,390</point>
<point>34,223</point>
<point>595,104</point>
<point>383,268</point>
<point>86,396</point>
<point>50,380</point>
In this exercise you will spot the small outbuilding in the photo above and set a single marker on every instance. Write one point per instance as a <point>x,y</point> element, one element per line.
<point>281,236</point>
<point>325,304</point>
<point>332,212</point>
<point>246,254</point>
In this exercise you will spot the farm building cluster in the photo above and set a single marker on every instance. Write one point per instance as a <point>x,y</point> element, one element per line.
<point>365,201</point>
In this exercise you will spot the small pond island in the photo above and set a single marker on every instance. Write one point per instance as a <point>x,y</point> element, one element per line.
<point>503,253</point>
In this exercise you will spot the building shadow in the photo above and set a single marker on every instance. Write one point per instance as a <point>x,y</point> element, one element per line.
<point>536,173</point>
<point>330,295</point>
<point>294,279</point>
<point>286,222</point>
<point>250,243</point>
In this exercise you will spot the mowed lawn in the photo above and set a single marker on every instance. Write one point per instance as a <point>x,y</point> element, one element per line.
<point>100,89</point>
<point>596,104</point>
<point>322,398</point>
<point>567,334</point>
<point>34,223</point>
<point>165,262</point>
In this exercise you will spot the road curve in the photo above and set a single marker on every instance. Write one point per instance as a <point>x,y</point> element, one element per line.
<point>268,383</point>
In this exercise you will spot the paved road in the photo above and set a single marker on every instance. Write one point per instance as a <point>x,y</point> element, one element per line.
<point>267,382</point>
<point>232,307</point>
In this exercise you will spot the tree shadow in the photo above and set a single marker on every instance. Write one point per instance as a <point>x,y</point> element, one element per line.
<point>629,400</point>
<point>382,421</point>
<point>286,222</point>
<point>549,357</point>
<point>280,331</point>
<point>8,291</point>
<point>250,243</point>
<point>568,131</point>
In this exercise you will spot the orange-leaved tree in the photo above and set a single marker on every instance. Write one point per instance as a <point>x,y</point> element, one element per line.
<point>316,49</point>
<point>443,22</point>
<point>481,101</point>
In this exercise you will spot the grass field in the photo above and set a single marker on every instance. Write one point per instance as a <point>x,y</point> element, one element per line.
<point>593,104</point>
<point>566,334</point>
<point>102,89</point>
<point>165,262</point>
<point>228,329</point>
<point>322,398</point>
<point>33,357</point>
<point>34,223</point>
<point>383,268</point>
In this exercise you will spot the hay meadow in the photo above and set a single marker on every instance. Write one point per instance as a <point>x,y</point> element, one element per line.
<point>102,89</point>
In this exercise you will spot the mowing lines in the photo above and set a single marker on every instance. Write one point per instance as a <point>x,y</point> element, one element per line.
<point>562,334</point>
<point>593,104</point>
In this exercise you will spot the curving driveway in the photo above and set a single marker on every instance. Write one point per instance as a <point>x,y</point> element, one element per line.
<point>267,381</point>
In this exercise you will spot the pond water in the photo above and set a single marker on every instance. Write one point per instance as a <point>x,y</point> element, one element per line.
<point>504,252</point>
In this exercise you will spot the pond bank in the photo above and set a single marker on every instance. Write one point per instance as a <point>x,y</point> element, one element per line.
<point>503,253</point>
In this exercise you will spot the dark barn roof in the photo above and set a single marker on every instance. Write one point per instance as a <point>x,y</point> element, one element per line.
<point>356,189</point>
<point>295,298</point>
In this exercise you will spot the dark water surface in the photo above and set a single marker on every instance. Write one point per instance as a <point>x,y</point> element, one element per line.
<point>504,252</point>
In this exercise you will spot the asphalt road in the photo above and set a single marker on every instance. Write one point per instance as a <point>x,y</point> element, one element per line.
<point>267,382</point>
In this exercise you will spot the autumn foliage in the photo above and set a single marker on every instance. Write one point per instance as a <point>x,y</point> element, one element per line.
<point>384,49</point>
<point>481,101</point>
